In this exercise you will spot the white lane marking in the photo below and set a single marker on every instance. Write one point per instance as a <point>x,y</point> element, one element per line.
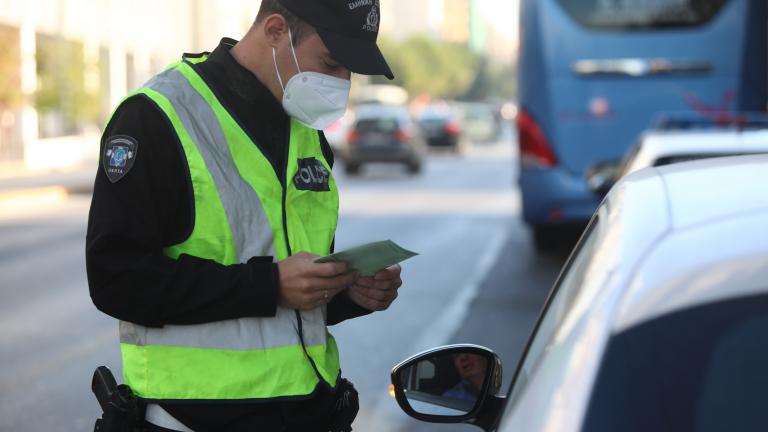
<point>440,330</point>
<point>385,411</point>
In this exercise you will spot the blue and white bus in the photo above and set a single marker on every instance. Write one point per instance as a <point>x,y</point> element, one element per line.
<point>593,74</point>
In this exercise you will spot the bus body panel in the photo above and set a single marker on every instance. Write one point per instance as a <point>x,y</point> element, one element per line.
<point>591,118</point>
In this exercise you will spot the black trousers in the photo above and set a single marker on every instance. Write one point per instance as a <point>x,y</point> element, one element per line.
<point>315,414</point>
<point>301,416</point>
<point>153,428</point>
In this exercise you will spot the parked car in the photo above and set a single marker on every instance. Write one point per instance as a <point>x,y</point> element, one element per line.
<point>382,133</point>
<point>337,132</point>
<point>680,138</point>
<point>480,121</point>
<point>657,322</point>
<point>442,129</point>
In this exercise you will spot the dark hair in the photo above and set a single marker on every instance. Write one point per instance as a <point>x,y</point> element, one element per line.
<point>299,28</point>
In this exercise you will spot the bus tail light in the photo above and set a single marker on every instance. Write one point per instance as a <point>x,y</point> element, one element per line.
<point>535,150</point>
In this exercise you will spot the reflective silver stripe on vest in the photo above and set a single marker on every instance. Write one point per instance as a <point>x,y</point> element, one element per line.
<point>245,214</point>
<point>251,233</point>
<point>237,334</point>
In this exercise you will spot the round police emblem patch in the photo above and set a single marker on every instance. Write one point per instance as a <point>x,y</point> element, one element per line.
<point>119,155</point>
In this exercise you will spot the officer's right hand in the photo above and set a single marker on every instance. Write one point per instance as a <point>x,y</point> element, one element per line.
<point>306,285</point>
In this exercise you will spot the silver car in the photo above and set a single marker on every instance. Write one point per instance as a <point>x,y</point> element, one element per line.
<point>658,321</point>
<point>383,133</point>
<point>684,138</point>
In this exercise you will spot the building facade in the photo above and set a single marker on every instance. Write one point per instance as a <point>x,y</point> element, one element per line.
<point>71,61</point>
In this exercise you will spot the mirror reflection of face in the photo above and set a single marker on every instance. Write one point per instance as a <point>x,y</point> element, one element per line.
<point>471,367</point>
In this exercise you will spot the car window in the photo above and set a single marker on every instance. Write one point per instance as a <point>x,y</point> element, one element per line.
<point>434,119</point>
<point>668,160</point>
<point>559,302</point>
<point>382,124</point>
<point>701,369</point>
<point>641,14</point>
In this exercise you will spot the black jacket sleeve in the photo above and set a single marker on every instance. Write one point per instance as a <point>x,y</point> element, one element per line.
<point>342,308</point>
<point>150,208</point>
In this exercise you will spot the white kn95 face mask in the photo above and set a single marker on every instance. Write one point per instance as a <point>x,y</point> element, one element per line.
<point>316,100</point>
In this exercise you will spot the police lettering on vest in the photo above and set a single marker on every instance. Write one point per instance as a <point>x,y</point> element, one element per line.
<point>312,176</point>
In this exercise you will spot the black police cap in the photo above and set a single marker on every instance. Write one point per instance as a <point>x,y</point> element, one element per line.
<point>349,29</point>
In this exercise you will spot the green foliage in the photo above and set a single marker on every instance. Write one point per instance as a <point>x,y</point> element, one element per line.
<point>443,70</point>
<point>424,66</point>
<point>493,82</point>
<point>61,82</point>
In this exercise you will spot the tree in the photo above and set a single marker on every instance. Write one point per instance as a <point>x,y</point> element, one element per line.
<point>61,91</point>
<point>444,70</point>
<point>422,65</point>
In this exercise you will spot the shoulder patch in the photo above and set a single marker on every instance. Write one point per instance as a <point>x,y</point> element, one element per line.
<point>119,155</point>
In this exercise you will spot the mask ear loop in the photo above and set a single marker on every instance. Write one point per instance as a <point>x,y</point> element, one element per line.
<point>274,60</point>
<point>296,60</point>
<point>293,51</point>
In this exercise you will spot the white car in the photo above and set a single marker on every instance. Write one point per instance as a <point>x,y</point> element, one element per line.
<point>680,139</point>
<point>658,321</point>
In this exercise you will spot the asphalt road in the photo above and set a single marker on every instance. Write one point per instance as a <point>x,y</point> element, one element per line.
<point>477,279</point>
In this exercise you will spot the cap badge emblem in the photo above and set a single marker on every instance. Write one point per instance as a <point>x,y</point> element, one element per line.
<point>372,21</point>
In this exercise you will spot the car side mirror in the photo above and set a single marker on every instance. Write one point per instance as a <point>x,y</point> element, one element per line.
<point>451,384</point>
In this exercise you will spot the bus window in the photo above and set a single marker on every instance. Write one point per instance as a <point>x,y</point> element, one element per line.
<point>641,14</point>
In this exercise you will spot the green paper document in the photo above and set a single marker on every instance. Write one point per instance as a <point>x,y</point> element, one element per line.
<point>370,258</point>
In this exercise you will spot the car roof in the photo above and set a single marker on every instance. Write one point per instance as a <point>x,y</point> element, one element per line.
<point>649,206</point>
<point>717,213</point>
<point>437,112</point>
<point>376,110</point>
<point>660,143</point>
<point>715,188</point>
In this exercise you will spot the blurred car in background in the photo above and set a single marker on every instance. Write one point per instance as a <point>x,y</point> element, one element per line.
<point>594,73</point>
<point>656,323</point>
<point>480,121</point>
<point>442,129</point>
<point>336,133</point>
<point>680,138</point>
<point>383,133</point>
<point>383,94</point>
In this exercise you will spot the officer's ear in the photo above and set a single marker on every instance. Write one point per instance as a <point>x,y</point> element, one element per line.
<point>275,29</point>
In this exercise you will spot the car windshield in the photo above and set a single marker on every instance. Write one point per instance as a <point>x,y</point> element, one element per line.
<point>382,124</point>
<point>641,14</point>
<point>558,304</point>
<point>703,368</point>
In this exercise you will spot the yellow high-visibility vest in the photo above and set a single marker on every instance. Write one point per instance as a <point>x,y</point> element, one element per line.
<point>242,209</point>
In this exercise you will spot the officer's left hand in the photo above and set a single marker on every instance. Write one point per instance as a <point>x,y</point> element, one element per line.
<point>378,292</point>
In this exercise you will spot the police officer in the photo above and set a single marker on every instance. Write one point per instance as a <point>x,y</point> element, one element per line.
<point>213,197</point>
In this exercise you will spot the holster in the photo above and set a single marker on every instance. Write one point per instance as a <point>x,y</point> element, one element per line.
<point>121,410</point>
<point>345,407</point>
